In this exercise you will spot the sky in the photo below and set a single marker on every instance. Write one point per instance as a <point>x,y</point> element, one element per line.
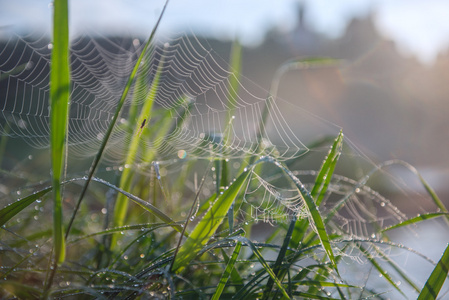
<point>419,28</point>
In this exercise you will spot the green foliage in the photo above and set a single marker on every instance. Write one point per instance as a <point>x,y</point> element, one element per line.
<point>209,223</point>
<point>437,278</point>
<point>59,114</point>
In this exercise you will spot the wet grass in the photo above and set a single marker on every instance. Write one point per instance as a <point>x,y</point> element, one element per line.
<point>153,248</point>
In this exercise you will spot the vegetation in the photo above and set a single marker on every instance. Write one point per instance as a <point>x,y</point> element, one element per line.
<point>154,249</point>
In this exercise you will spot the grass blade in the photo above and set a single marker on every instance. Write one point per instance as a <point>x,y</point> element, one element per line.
<point>320,187</point>
<point>416,219</point>
<point>281,255</point>
<point>395,266</point>
<point>227,272</point>
<point>207,226</point>
<point>144,204</point>
<point>114,119</point>
<point>121,205</point>
<point>327,169</point>
<point>437,278</point>
<point>379,268</point>
<point>14,208</point>
<point>236,64</point>
<point>59,114</point>
<point>264,264</point>
<point>314,214</point>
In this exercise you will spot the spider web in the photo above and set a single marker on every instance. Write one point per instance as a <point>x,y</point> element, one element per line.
<point>193,92</point>
<point>194,87</point>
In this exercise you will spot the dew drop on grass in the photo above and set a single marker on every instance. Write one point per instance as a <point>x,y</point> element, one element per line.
<point>125,257</point>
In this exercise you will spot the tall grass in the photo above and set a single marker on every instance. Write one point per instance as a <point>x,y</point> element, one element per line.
<point>215,256</point>
<point>59,114</point>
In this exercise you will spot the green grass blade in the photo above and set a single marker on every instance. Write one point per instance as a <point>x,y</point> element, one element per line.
<point>433,195</point>
<point>314,214</point>
<point>312,296</point>
<point>59,114</point>
<point>416,219</point>
<point>207,226</point>
<point>227,272</point>
<point>320,187</point>
<point>317,283</point>
<point>279,260</point>
<point>236,64</point>
<point>14,208</point>
<point>121,206</point>
<point>114,118</point>
<point>395,266</point>
<point>437,278</point>
<point>327,169</point>
<point>264,264</point>
<point>379,268</point>
<point>144,204</point>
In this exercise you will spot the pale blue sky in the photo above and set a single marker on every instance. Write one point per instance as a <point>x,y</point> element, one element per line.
<point>419,27</point>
